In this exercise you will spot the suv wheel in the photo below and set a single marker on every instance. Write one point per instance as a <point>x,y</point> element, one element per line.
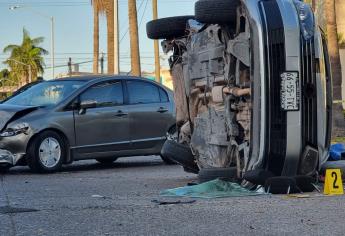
<point>208,174</point>
<point>167,161</point>
<point>4,168</point>
<point>47,152</point>
<point>180,154</point>
<point>167,28</point>
<point>216,11</point>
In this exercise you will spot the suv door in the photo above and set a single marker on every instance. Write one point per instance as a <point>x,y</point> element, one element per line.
<point>150,113</point>
<point>105,128</point>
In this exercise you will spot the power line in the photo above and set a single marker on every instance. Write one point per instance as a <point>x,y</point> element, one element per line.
<point>122,38</point>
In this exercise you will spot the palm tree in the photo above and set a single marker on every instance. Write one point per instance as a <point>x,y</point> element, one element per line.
<point>134,38</point>
<point>109,9</point>
<point>333,47</point>
<point>101,7</point>
<point>21,56</point>
<point>98,8</point>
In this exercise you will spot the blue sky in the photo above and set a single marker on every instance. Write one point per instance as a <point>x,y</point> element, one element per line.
<point>74,29</point>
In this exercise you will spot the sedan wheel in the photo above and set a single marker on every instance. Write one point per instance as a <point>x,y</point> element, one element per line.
<point>47,152</point>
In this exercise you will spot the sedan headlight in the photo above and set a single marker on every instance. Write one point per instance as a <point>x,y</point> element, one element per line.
<point>15,130</point>
<point>306,19</point>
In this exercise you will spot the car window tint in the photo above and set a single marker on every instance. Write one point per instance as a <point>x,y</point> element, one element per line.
<point>164,95</point>
<point>105,94</point>
<point>142,92</point>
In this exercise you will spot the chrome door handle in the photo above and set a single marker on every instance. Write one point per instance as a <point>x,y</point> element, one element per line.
<point>162,110</point>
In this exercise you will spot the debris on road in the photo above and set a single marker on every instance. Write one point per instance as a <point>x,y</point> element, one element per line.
<point>336,152</point>
<point>212,189</point>
<point>10,210</point>
<point>100,196</point>
<point>159,202</point>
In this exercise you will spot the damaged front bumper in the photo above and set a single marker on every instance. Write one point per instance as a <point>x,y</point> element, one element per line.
<point>7,157</point>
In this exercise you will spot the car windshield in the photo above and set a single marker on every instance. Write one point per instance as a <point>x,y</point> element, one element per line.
<point>47,93</point>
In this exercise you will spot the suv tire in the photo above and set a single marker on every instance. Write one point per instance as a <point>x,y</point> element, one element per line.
<point>216,11</point>
<point>4,168</point>
<point>167,28</point>
<point>208,174</point>
<point>180,154</point>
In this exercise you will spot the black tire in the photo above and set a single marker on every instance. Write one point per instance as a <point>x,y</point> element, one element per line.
<point>167,161</point>
<point>33,159</point>
<point>208,174</point>
<point>180,154</point>
<point>305,183</point>
<point>4,168</point>
<point>167,28</point>
<point>281,185</point>
<point>216,11</point>
<point>106,160</point>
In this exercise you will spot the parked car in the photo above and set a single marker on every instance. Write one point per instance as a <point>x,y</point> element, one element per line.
<point>252,89</point>
<point>50,123</point>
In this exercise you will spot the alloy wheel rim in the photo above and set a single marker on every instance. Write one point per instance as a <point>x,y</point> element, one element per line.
<point>49,152</point>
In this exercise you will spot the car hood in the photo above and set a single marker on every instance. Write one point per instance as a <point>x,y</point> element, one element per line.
<point>9,113</point>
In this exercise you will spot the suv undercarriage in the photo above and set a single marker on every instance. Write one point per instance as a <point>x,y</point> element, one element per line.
<point>247,97</point>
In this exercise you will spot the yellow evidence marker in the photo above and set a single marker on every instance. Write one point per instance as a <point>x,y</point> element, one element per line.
<point>333,182</point>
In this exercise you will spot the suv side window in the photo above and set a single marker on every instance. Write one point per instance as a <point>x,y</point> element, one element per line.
<point>142,92</point>
<point>105,94</point>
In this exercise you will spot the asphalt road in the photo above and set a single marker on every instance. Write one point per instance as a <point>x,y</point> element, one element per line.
<point>90,199</point>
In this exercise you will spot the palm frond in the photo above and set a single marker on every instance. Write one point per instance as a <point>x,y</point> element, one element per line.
<point>10,48</point>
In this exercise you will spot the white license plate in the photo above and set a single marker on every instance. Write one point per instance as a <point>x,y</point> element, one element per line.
<point>289,91</point>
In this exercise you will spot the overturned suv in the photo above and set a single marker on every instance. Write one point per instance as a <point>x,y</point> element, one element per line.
<point>252,90</point>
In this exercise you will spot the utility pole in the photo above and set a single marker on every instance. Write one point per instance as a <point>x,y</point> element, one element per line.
<point>134,38</point>
<point>69,66</point>
<point>116,38</point>
<point>156,46</point>
<point>102,63</point>
<point>53,48</point>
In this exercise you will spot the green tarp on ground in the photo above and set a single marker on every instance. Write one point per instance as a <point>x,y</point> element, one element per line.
<point>212,189</point>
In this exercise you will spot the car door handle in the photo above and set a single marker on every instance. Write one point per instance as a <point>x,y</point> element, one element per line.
<point>121,114</point>
<point>162,110</point>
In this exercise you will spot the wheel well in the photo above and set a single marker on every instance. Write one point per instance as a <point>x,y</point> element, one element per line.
<point>172,128</point>
<point>68,154</point>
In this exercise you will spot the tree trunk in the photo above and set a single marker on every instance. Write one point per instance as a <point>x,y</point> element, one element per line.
<point>134,39</point>
<point>110,35</point>
<point>313,4</point>
<point>332,36</point>
<point>95,40</point>
<point>156,44</point>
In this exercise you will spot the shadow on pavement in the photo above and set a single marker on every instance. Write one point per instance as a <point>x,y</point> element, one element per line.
<point>92,165</point>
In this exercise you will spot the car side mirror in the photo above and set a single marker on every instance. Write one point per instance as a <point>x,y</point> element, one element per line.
<point>88,104</point>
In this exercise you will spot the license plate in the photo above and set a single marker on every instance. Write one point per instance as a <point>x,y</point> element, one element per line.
<point>289,91</point>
